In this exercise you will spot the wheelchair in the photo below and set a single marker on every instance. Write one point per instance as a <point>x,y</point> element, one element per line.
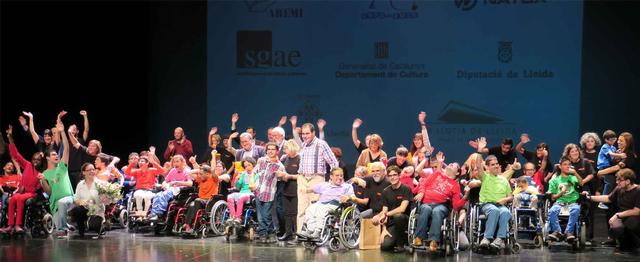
<point>117,214</point>
<point>448,231</point>
<point>341,229</point>
<point>476,226</point>
<point>248,226</point>
<point>4,209</point>
<point>165,223</point>
<point>529,223</point>
<point>138,223</point>
<point>563,217</point>
<point>207,219</point>
<point>38,220</point>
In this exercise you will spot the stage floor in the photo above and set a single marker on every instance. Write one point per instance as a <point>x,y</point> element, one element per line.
<point>118,245</point>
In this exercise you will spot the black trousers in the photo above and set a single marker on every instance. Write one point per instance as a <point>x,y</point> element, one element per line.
<point>193,208</point>
<point>629,235</point>
<point>397,226</point>
<point>290,213</point>
<point>79,216</point>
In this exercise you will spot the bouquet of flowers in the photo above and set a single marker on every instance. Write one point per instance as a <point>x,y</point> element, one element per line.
<point>109,192</point>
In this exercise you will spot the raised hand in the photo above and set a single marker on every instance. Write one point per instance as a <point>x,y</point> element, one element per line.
<point>234,118</point>
<point>524,138</point>
<point>10,130</point>
<point>213,131</point>
<point>283,120</point>
<point>357,123</point>
<point>473,143</point>
<point>321,123</point>
<point>293,120</point>
<point>545,153</point>
<point>152,150</point>
<point>29,114</point>
<point>482,143</point>
<point>62,114</point>
<point>440,157</point>
<point>516,165</point>
<point>83,113</point>
<point>422,117</point>
<point>233,135</point>
<point>192,159</point>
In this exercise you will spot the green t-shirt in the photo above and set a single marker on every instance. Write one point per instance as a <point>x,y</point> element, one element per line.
<point>243,182</point>
<point>58,180</point>
<point>493,188</point>
<point>571,182</point>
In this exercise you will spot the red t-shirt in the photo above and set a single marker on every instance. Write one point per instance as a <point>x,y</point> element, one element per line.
<point>145,178</point>
<point>438,188</point>
<point>407,180</point>
<point>11,180</point>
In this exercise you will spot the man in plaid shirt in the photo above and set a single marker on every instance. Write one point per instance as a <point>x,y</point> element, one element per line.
<point>315,154</point>
<point>269,168</point>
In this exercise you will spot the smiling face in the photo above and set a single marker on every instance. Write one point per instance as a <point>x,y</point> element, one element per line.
<point>9,168</point>
<point>307,134</point>
<point>53,157</point>
<point>337,177</point>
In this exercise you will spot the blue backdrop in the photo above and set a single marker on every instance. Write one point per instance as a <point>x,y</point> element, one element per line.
<point>477,67</point>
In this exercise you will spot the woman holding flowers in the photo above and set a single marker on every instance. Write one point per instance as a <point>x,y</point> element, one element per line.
<point>88,203</point>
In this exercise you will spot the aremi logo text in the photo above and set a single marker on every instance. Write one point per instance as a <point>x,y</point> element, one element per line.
<point>255,50</point>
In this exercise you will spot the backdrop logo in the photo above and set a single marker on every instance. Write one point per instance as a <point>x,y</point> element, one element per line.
<point>265,6</point>
<point>381,50</point>
<point>465,5</point>
<point>255,51</point>
<point>505,51</point>
<point>391,9</point>
<point>381,69</point>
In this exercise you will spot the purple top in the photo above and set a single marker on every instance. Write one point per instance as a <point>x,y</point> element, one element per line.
<point>329,192</point>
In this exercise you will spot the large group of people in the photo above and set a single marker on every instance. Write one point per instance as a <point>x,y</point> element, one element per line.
<point>297,180</point>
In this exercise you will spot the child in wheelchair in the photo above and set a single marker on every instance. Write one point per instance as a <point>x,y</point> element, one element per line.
<point>563,188</point>
<point>145,183</point>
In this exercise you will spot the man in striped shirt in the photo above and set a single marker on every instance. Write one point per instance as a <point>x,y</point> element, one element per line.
<point>315,154</point>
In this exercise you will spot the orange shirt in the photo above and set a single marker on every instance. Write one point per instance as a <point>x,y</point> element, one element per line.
<point>207,188</point>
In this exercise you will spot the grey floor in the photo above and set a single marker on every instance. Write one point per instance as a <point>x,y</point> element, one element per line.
<point>118,245</point>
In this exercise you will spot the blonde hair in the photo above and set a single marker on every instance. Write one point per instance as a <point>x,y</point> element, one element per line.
<point>292,146</point>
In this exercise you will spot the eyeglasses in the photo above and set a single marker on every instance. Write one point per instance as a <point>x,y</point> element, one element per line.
<point>393,174</point>
<point>620,179</point>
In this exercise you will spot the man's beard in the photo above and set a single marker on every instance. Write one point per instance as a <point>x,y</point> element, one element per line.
<point>377,179</point>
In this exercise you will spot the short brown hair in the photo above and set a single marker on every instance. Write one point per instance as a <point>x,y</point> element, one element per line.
<point>626,173</point>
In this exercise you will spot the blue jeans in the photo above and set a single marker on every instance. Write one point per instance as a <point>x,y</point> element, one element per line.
<point>60,217</point>
<point>161,202</point>
<point>496,216</point>
<point>437,213</point>
<point>265,221</point>
<point>572,225</point>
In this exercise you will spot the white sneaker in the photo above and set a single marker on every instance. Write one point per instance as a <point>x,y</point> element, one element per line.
<point>498,243</point>
<point>485,242</point>
<point>603,206</point>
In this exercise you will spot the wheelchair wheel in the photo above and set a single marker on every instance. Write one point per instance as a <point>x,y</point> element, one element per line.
<point>123,218</point>
<point>47,220</point>
<point>308,245</point>
<point>334,244</point>
<point>349,230</point>
<point>216,217</point>
<point>538,241</point>
<point>411,229</point>
<point>515,248</point>
<point>583,234</point>
<point>252,233</point>
<point>203,232</point>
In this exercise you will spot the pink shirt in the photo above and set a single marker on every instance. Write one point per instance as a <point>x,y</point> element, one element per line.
<point>178,175</point>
